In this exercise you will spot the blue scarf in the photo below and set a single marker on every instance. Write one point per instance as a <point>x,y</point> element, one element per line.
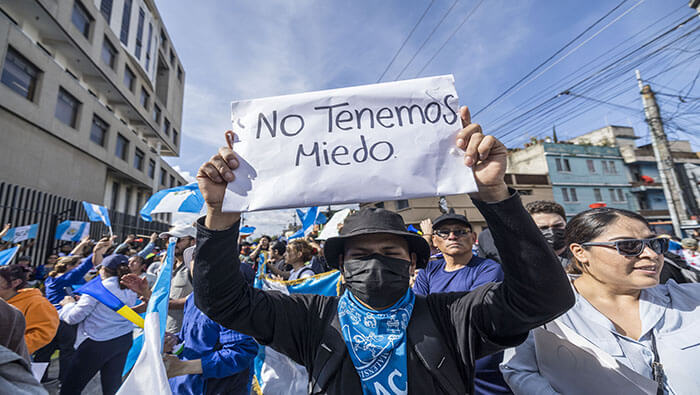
<point>376,341</point>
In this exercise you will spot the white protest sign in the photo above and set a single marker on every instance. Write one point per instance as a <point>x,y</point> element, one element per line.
<point>574,365</point>
<point>331,227</point>
<point>386,141</point>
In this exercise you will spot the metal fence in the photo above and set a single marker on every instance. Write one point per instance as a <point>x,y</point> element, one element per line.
<point>20,205</point>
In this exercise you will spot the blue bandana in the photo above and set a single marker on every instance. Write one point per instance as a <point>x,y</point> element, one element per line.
<point>376,341</point>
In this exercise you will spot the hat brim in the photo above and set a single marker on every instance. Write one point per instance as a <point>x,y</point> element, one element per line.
<point>335,246</point>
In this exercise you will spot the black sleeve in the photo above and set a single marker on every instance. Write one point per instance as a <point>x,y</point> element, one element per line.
<point>535,289</point>
<point>291,324</point>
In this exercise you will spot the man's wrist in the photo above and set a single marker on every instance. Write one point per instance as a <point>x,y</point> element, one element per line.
<point>491,193</point>
<point>219,220</point>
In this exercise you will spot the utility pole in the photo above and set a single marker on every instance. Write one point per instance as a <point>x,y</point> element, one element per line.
<point>662,153</point>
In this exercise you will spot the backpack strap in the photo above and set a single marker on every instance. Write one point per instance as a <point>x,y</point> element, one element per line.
<point>428,344</point>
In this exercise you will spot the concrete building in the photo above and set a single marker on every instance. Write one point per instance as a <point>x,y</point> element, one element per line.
<point>643,172</point>
<point>531,187</point>
<point>581,175</point>
<point>91,98</point>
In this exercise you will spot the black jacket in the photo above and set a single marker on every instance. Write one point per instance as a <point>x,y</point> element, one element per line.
<point>446,333</point>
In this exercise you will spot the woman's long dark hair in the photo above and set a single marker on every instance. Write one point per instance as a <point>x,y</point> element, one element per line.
<point>589,224</point>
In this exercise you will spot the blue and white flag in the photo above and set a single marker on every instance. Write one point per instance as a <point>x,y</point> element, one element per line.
<point>72,230</point>
<point>307,225</point>
<point>97,213</point>
<point>319,220</point>
<point>148,376</point>
<point>21,233</point>
<point>182,199</point>
<point>274,372</point>
<point>7,255</point>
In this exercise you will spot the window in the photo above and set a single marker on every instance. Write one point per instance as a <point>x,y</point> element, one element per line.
<point>172,58</point>
<point>567,167</point>
<point>605,167</point>
<point>148,47</point>
<point>106,9</point>
<point>565,193</point>
<point>139,34</point>
<point>151,168</point>
<point>179,74</point>
<point>129,78</point>
<point>166,126</point>
<point>612,195</point>
<point>620,195</point>
<point>613,169</point>
<point>379,205</point>
<point>81,18</point>
<point>163,176</point>
<point>569,194</point>
<point>67,108</point>
<point>127,201</point>
<point>172,181</point>
<point>598,195</point>
<point>558,163</point>
<point>115,195</point>
<point>122,147</point>
<point>562,164</point>
<point>591,165</point>
<point>401,204</point>
<point>175,136</point>
<point>98,131</point>
<point>163,38</point>
<point>156,113</point>
<point>144,98</point>
<point>19,74</point>
<point>138,159</point>
<point>572,192</point>
<point>109,53</point>
<point>126,21</point>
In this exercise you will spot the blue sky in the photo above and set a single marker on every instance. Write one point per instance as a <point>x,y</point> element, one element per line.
<point>234,50</point>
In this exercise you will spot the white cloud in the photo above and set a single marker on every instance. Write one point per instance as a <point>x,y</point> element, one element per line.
<point>185,174</point>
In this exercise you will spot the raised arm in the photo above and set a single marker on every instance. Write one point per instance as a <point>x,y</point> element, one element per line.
<point>534,289</point>
<point>291,324</point>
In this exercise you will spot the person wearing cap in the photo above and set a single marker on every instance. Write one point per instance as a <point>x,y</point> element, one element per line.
<point>104,337</point>
<point>181,282</point>
<point>460,270</point>
<point>378,336</point>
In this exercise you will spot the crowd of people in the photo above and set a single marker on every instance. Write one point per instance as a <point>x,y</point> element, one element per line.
<point>442,311</point>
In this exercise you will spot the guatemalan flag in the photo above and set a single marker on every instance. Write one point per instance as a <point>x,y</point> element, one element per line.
<point>7,255</point>
<point>182,199</point>
<point>72,230</point>
<point>148,376</point>
<point>97,213</point>
<point>21,233</point>
<point>307,225</point>
<point>274,372</point>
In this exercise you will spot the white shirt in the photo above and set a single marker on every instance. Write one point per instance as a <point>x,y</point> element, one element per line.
<point>303,272</point>
<point>670,312</point>
<point>97,321</point>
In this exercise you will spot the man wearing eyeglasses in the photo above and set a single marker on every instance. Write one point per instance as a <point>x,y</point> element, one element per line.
<point>460,270</point>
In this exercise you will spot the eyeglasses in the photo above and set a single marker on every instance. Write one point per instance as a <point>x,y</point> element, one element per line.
<point>443,234</point>
<point>634,247</point>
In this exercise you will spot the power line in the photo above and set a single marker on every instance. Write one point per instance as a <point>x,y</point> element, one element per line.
<point>469,14</point>
<point>550,58</point>
<point>406,40</point>
<point>426,40</point>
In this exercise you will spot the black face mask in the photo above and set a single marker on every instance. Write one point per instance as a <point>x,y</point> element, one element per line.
<point>554,237</point>
<point>377,280</point>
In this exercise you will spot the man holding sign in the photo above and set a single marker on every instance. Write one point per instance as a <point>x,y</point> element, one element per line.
<point>379,337</point>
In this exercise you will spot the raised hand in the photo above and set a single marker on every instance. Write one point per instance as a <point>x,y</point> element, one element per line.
<point>486,156</point>
<point>154,237</point>
<point>137,284</point>
<point>212,178</point>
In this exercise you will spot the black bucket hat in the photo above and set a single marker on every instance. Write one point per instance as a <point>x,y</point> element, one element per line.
<point>369,221</point>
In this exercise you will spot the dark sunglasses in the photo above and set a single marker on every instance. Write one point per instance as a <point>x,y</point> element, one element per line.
<point>443,234</point>
<point>633,247</point>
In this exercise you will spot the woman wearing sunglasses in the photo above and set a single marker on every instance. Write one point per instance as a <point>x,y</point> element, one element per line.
<point>620,309</point>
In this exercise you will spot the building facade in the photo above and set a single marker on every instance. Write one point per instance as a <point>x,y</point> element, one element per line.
<point>531,187</point>
<point>581,175</point>
<point>647,190</point>
<point>91,98</point>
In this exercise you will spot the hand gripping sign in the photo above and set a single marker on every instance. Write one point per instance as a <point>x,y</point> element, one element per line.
<point>368,143</point>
